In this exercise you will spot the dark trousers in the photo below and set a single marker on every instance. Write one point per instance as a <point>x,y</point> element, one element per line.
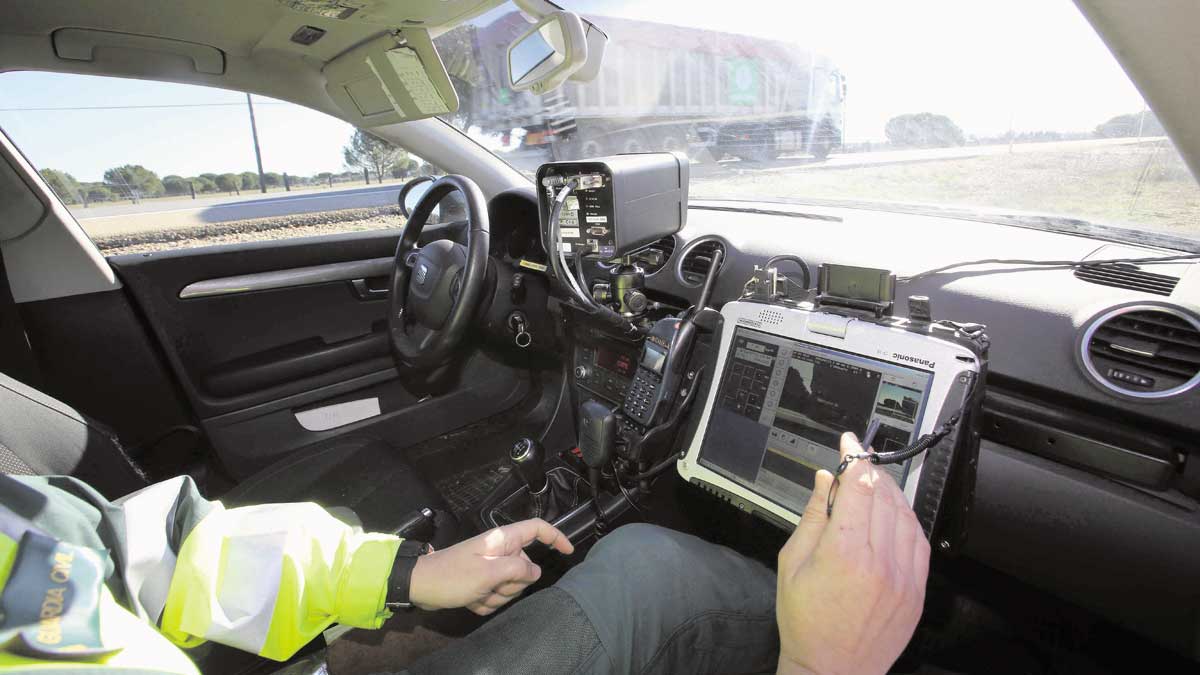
<point>646,600</point>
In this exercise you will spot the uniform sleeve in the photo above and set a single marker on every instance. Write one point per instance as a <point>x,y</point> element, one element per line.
<point>268,579</point>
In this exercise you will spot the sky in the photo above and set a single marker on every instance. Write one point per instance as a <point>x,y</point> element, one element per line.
<point>1033,64</point>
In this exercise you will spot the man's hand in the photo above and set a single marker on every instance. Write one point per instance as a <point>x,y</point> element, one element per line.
<point>485,572</point>
<point>851,586</point>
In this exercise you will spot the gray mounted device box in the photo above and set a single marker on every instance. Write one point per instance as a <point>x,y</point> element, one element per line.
<point>622,203</point>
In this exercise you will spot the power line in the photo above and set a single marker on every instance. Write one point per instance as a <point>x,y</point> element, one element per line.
<point>135,107</point>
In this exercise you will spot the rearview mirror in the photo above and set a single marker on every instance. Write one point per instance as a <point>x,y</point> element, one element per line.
<point>545,56</point>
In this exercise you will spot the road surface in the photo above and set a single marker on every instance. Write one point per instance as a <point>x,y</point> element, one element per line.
<point>158,214</point>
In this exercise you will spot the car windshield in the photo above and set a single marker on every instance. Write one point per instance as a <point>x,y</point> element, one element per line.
<point>1015,107</point>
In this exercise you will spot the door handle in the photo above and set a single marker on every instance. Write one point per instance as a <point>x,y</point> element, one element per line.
<point>365,292</point>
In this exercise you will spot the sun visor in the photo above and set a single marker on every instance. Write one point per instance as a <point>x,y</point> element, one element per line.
<point>391,78</point>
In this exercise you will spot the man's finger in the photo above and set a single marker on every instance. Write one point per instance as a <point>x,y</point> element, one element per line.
<point>495,601</point>
<point>512,589</point>
<point>855,494</point>
<point>480,609</point>
<point>510,569</point>
<point>528,531</point>
<point>907,532</point>
<point>812,523</point>
<point>883,521</point>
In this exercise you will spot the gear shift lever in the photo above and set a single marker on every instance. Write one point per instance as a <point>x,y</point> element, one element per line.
<point>527,457</point>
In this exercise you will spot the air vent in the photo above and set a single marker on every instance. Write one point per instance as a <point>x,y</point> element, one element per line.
<point>697,259</point>
<point>1127,276</point>
<point>656,255</point>
<point>652,257</point>
<point>1145,351</point>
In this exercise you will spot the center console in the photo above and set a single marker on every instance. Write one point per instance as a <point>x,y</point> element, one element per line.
<point>604,365</point>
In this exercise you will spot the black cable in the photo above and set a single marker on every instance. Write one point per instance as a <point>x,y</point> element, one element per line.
<point>580,276</point>
<point>1051,264</point>
<point>584,303</point>
<point>776,259</point>
<point>625,492</point>
<point>656,469</point>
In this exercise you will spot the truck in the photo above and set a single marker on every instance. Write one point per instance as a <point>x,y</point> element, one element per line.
<point>661,87</point>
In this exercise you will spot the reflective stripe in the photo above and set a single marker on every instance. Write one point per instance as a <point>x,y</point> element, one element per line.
<point>149,560</point>
<point>144,650</point>
<point>269,578</point>
<point>245,597</point>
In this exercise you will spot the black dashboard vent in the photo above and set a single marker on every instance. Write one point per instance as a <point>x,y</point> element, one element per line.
<point>1144,351</point>
<point>696,261</point>
<point>653,257</point>
<point>1127,276</point>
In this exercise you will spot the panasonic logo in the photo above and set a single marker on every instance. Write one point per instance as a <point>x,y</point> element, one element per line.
<point>912,359</point>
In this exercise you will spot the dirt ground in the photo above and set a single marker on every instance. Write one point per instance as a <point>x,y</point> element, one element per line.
<point>258,229</point>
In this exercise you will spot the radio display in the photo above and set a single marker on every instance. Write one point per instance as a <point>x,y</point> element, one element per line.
<point>614,361</point>
<point>783,405</point>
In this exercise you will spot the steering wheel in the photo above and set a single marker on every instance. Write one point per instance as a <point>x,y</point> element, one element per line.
<point>436,289</point>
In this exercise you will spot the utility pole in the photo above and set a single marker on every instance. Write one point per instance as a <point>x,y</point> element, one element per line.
<point>262,183</point>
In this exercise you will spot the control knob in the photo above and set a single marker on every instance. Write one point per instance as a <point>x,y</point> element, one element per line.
<point>636,301</point>
<point>582,372</point>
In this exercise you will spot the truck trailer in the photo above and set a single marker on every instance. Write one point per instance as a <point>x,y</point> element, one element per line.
<point>707,93</point>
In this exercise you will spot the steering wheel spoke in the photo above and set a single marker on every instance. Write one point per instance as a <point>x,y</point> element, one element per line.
<point>436,289</point>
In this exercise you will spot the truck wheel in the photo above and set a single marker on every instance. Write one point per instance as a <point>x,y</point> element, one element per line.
<point>671,143</point>
<point>821,149</point>
<point>633,144</point>
<point>591,148</point>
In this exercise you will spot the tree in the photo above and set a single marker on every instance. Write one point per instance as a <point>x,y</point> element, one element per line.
<point>63,184</point>
<point>204,184</point>
<point>177,185</point>
<point>923,130</point>
<point>272,179</point>
<point>366,151</point>
<point>98,193</point>
<point>405,168</point>
<point>1133,124</point>
<point>134,180</point>
<point>228,182</point>
<point>249,180</point>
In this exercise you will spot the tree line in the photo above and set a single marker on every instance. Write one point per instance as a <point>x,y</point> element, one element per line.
<point>930,130</point>
<point>364,153</point>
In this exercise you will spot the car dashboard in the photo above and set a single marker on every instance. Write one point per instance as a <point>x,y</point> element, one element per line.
<point>1086,487</point>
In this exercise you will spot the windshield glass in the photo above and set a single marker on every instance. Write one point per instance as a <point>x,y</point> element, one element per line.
<point>1012,106</point>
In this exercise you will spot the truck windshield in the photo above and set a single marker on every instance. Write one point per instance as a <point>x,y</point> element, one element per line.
<point>862,100</point>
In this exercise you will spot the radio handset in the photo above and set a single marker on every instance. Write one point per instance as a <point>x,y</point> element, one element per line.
<point>647,392</point>
<point>665,354</point>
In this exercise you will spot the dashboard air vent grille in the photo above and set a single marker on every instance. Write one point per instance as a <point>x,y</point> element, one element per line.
<point>1127,276</point>
<point>1144,351</point>
<point>697,260</point>
<point>654,256</point>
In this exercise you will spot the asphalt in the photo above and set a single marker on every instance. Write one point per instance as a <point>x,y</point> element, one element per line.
<point>157,214</point>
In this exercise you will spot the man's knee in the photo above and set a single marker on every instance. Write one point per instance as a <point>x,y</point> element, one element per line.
<point>632,539</point>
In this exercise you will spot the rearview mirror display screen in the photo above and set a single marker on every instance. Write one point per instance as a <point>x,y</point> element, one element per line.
<point>783,405</point>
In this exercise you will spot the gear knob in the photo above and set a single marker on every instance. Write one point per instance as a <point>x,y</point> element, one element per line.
<point>527,457</point>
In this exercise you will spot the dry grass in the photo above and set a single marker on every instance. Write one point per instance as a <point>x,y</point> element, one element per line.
<point>1141,186</point>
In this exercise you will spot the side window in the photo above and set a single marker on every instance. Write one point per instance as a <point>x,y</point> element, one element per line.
<point>146,166</point>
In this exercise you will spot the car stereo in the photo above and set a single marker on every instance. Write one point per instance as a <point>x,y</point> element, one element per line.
<point>792,379</point>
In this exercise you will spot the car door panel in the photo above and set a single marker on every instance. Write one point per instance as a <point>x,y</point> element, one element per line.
<point>258,332</point>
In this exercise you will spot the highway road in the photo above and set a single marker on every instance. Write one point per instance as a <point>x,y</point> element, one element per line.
<point>157,214</point>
